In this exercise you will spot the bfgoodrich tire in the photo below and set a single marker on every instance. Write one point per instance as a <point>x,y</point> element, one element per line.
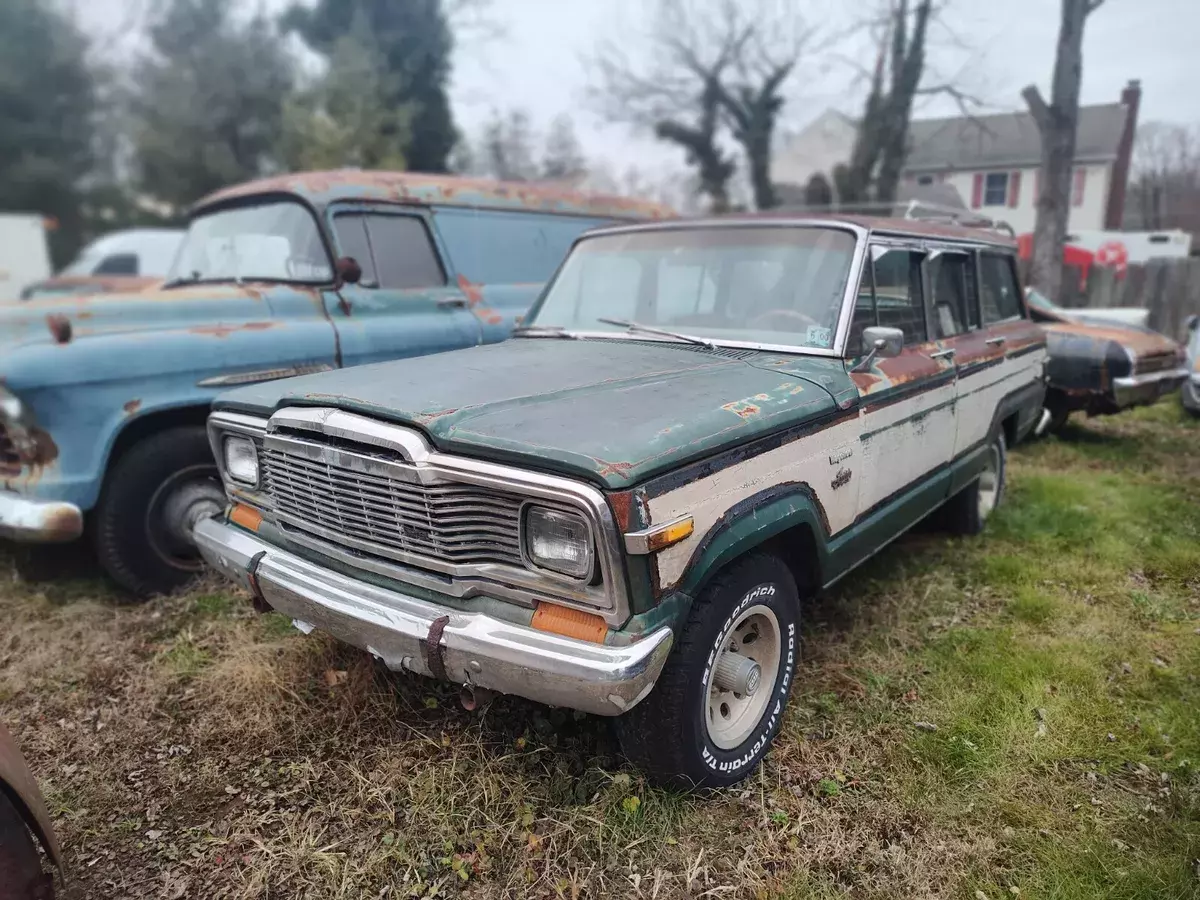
<point>720,700</point>
<point>152,496</point>
<point>968,510</point>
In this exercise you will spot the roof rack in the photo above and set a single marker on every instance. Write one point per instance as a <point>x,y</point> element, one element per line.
<point>966,218</point>
<point>915,210</point>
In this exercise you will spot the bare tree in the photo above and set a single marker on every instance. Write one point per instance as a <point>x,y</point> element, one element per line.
<point>711,68</point>
<point>1057,122</point>
<point>1166,178</point>
<point>881,146</point>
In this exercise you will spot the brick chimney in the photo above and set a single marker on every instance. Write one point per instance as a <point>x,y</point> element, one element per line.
<point>1131,98</point>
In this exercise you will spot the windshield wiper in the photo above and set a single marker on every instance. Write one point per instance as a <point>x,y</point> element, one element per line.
<point>646,329</point>
<point>546,331</point>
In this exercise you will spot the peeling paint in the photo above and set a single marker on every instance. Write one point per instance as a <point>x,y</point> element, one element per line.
<point>132,406</point>
<point>221,331</point>
<point>60,328</point>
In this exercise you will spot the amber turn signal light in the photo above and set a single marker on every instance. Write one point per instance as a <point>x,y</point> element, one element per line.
<point>246,516</point>
<point>572,623</point>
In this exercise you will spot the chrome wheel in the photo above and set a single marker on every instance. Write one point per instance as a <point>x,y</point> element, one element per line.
<point>989,483</point>
<point>741,680</point>
<point>176,507</point>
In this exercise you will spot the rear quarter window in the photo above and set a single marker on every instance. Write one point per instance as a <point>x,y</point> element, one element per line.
<point>506,247</point>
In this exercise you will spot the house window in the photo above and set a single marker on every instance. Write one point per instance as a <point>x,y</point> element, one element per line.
<point>995,189</point>
<point>1078,184</point>
<point>925,179</point>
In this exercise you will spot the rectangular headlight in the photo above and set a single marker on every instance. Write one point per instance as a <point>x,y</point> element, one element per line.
<point>559,541</point>
<point>241,460</point>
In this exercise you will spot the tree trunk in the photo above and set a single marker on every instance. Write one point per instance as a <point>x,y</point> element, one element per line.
<point>1057,123</point>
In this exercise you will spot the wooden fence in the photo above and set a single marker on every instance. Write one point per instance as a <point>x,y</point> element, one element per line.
<point>1169,288</point>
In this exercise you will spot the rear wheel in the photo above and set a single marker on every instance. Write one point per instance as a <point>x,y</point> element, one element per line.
<point>720,700</point>
<point>968,510</point>
<point>153,497</point>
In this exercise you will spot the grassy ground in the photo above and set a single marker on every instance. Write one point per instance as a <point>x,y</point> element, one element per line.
<point>1012,715</point>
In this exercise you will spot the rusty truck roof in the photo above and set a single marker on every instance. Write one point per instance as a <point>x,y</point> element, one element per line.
<point>323,188</point>
<point>873,224</point>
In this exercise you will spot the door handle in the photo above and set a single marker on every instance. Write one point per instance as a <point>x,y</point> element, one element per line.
<point>452,303</point>
<point>996,341</point>
<point>943,354</point>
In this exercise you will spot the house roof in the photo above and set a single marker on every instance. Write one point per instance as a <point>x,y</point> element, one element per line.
<point>1008,139</point>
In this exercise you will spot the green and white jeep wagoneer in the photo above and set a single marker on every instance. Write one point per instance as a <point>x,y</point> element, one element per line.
<point>623,509</point>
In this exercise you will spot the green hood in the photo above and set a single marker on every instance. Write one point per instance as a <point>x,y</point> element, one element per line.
<point>612,411</point>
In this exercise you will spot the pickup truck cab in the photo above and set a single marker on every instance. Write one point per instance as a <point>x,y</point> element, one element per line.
<point>624,508</point>
<point>103,398</point>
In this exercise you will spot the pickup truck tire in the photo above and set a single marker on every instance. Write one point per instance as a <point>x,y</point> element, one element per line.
<point>692,730</point>
<point>968,511</point>
<point>21,874</point>
<point>152,496</point>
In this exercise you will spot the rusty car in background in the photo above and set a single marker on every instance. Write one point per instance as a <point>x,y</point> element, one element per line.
<point>103,398</point>
<point>621,510</point>
<point>1102,367</point>
<point>24,827</point>
<point>122,261</point>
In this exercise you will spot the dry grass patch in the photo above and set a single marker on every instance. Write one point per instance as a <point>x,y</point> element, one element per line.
<point>1012,711</point>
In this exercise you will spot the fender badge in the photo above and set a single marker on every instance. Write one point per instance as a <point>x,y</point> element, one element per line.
<point>838,455</point>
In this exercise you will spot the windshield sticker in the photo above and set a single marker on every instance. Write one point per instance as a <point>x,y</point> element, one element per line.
<point>819,337</point>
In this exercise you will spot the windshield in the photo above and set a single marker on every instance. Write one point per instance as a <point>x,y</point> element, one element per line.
<point>757,284</point>
<point>276,241</point>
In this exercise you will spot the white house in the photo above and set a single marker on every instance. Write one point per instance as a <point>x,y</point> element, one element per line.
<point>992,161</point>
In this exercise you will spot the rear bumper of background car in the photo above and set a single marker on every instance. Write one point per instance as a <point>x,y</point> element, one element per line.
<point>1138,390</point>
<point>38,521</point>
<point>472,648</point>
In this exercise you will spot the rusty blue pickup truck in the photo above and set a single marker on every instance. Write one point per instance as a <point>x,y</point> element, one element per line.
<point>103,398</point>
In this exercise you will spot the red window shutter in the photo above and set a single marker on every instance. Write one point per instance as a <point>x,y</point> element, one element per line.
<point>977,191</point>
<point>1014,189</point>
<point>1078,187</point>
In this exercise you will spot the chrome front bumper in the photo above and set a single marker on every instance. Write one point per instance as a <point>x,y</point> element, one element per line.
<point>475,648</point>
<point>38,521</point>
<point>1137,389</point>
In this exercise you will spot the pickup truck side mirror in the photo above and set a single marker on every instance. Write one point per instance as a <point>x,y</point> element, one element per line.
<point>348,270</point>
<point>884,342</point>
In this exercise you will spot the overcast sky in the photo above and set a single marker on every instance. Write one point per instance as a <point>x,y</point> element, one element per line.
<point>993,47</point>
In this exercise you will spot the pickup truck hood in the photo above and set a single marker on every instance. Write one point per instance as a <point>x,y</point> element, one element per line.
<point>611,411</point>
<point>61,320</point>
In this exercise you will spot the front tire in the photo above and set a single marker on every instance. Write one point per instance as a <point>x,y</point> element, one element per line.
<point>968,511</point>
<point>1189,396</point>
<point>152,497</point>
<point>721,697</point>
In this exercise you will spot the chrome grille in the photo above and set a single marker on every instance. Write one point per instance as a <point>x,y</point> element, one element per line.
<point>1157,363</point>
<point>453,523</point>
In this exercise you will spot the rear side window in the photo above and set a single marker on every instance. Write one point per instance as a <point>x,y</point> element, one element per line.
<point>507,246</point>
<point>394,251</point>
<point>898,299</point>
<point>952,280</point>
<point>999,295</point>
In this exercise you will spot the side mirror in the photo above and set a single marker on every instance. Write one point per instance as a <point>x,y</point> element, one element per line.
<point>885,343</point>
<point>348,270</point>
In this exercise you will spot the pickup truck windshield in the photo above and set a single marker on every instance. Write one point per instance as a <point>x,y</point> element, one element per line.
<point>276,241</point>
<point>755,284</point>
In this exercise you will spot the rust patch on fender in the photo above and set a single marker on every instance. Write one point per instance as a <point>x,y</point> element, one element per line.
<point>60,328</point>
<point>426,418</point>
<point>614,468</point>
<point>224,331</point>
<point>132,406</point>
<point>622,507</point>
